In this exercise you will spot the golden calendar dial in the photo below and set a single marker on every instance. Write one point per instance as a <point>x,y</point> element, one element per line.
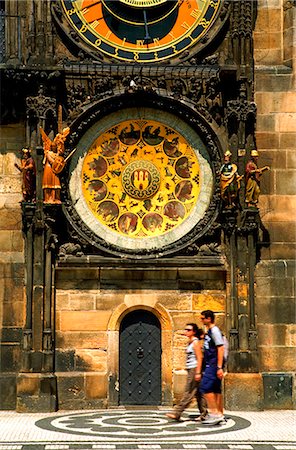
<point>142,31</point>
<point>140,180</point>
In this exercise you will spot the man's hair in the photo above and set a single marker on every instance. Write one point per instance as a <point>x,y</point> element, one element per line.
<point>209,315</point>
<point>198,332</point>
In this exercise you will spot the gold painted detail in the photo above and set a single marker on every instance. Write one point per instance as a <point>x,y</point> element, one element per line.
<point>141,178</point>
<point>142,3</point>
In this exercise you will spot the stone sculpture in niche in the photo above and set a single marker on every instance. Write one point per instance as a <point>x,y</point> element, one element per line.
<point>252,175</point>
<point>28,171</point>
<point>229,182</point>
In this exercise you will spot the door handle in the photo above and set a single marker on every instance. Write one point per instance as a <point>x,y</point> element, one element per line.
<point>140,352</point>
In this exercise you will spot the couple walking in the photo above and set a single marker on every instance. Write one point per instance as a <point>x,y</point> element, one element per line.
<point>207,387</point>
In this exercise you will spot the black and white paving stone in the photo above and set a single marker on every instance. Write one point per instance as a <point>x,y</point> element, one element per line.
<point>123,429</point>
<point>127,425</point>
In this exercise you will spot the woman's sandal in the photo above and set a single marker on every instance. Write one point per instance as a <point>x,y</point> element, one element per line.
<point>172,416</point>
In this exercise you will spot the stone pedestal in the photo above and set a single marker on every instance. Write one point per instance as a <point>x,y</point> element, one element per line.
<point>36,392</point>
<point>243,391</point>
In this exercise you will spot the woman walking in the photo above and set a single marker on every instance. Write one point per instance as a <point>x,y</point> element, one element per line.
<point>194,367</point>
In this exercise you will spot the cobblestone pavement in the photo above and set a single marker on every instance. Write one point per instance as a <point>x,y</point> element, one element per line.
<point>124,429</point>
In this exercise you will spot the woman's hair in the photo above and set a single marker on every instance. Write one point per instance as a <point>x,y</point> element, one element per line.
<point>198,332</point>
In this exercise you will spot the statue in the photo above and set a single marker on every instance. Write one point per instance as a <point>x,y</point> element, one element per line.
<point>54,163</point>
<point>229,182</point>
<point>28,171</point>
<point>252,176</point>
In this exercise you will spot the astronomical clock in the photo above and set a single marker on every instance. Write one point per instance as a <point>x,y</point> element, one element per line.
<point>141,181</point>
<point>142,31</point>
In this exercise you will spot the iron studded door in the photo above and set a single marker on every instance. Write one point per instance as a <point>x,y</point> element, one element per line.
<point>140,359</point>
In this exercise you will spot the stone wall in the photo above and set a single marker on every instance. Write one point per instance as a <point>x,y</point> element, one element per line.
<point>275,95</point>
<point>11,263</point>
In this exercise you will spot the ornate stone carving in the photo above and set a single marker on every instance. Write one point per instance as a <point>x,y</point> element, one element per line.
<point>288,4</point>
<point>70,249</point>
<point>41,104</point>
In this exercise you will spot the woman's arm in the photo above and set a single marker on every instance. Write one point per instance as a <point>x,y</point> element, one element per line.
<point>199,357</point>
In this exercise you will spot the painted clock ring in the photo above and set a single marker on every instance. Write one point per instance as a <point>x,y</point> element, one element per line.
<point>142,31</point>
<point>151,189</point>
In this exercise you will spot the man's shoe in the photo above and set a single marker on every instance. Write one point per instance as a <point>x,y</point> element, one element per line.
<point>213,420</point>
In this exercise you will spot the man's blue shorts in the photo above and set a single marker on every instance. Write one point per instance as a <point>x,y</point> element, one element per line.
<point>210,382</point>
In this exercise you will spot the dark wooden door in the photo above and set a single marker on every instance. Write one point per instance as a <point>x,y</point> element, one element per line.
<point>140,359</point>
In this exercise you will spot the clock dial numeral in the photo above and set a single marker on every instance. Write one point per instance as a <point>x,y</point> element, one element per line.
<point>185,25</point>
<point>204,23</point>
<point>83,29</point>
<point>94,24</point>
<point>195,13</point>
<point>70,12</point>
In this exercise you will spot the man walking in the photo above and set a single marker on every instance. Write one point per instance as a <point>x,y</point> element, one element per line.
<point>212,378</point>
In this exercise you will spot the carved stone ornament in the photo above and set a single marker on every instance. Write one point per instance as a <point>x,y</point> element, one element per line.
<point>288,4</point>
<point>201,87</point>
<point>41,104</point>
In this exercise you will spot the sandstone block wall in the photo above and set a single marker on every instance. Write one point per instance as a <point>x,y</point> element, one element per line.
<point>275,95</point>
<point>11,263</point>
<point>88,322</point>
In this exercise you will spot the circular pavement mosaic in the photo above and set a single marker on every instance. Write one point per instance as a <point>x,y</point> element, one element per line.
<point>127,425</point>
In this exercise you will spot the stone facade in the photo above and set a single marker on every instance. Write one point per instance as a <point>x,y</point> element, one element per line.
<point>91,300</point>
<point>275,96</point>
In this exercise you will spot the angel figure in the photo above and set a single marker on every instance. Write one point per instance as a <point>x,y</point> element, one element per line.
<point>54,163</point>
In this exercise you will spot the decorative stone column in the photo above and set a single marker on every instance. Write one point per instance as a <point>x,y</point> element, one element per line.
<point>241,235</point>
<point>36,382</point>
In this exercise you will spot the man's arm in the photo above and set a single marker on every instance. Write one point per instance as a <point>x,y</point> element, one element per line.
<point>220,354</point>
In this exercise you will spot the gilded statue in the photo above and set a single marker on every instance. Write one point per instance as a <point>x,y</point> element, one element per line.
<point>229,182</point>
<point>252,176</point>
<point>28,171</point>
<point>54,162</point>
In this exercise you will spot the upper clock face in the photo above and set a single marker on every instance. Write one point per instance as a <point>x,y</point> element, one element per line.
<point>141,31</point>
